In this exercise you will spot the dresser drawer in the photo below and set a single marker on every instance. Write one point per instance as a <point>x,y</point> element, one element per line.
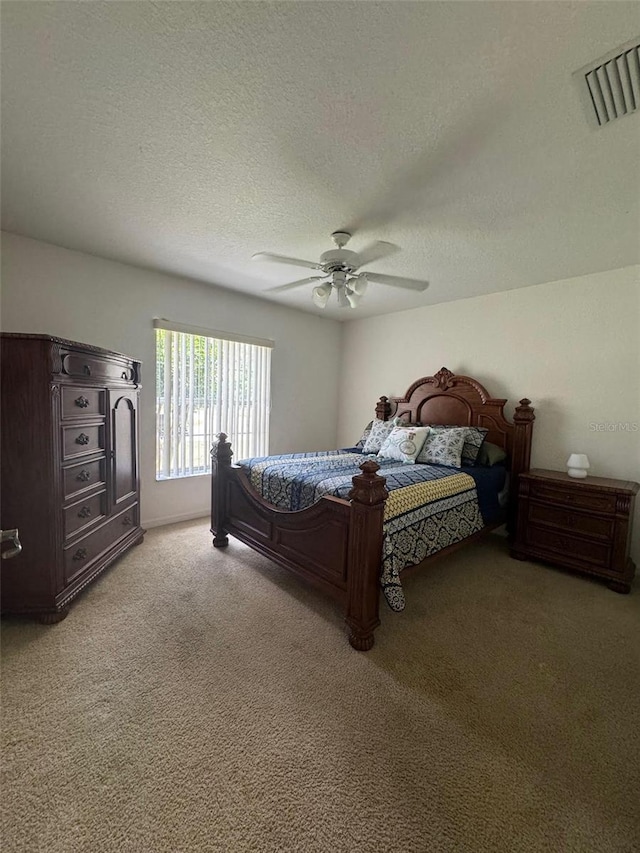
<point>84,513</point>
<point>82,476</point>
<point>566,519</point>
<point>573,497</point>
<point>81,440</point>
<point>79,556</point>
<point>560,545</point>
<point>94,367</point>
<point>79,402</point>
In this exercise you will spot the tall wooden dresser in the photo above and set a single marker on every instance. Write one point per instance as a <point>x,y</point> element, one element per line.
<point>69,475</point>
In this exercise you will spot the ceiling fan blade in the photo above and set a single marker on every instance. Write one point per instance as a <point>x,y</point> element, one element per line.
<point>409,190</point>
<point>283,259</point>
<point>397,281</point>
<point>282,287</point>
<point>376,251</point>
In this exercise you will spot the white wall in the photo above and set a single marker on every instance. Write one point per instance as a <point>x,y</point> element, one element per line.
<point>572,347</point>
<point>46,289</point>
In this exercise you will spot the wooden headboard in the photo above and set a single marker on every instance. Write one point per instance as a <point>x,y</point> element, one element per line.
<point>462,401</point>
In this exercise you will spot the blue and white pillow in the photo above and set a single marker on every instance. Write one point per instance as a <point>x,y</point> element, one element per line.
<point>365,435</point>
<point>473,439</point>
<point>443,447</point>
<point>404,444</point>
<point>379,432</point>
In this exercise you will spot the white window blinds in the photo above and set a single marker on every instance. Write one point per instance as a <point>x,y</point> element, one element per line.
<point>205,385</point>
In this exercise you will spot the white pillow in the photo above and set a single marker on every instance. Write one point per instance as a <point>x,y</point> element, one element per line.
<point>404,443</point>
<point>443,448</point>
<point>379,431</point>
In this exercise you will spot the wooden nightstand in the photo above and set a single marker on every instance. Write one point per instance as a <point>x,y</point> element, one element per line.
<point>577,524</point>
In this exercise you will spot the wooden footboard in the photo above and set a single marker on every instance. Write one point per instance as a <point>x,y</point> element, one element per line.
<point>335,544</point>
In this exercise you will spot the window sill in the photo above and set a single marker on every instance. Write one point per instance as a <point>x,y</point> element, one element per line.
<point>181,477</point>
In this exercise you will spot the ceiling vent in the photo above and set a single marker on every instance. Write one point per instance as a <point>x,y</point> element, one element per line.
<point>610,86</point>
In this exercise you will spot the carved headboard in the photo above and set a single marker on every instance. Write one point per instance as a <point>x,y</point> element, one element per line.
<point>462,401</point>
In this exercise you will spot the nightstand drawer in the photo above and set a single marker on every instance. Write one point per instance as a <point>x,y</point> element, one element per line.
<point>555,544</point>
<point>580,498</point>
<point>573,522</point>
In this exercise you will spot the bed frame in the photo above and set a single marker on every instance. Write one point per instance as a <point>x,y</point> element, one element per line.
<point>336,544</point>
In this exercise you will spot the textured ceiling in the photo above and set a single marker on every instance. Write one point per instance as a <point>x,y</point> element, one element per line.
<point>184,137</point>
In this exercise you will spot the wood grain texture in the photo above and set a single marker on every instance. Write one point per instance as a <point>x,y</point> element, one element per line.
<point>582,525</point>
<point>336,544</point>
<point>69,467</point>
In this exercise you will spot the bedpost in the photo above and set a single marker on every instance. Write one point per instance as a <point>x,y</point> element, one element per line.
<point>523,419</point>
<point>221,454</point>
<point>383,409</point>
<point>368,497</point>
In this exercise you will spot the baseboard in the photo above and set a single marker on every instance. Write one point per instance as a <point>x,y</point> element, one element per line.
<point>147,523</point>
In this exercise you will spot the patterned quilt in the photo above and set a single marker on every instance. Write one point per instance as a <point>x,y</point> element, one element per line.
<point>429,506</point>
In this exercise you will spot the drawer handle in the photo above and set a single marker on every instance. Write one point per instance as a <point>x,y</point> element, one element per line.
<point>83,438</point>
<point>85,512</point>
<point>80,554</point>
<point>13,537</point>
<point>87,369</point>
<point>83,476</point>
<point>127,520</point>
<point>82,402</point>
<point>125,374</point>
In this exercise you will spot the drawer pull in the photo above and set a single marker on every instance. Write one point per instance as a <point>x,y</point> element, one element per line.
<point>125,374</point>
<point>86,369</point>
<point>83,438</point>
<point>80,554</point>
<point>127,520</point>
<point>83,476</point>
<point>85,512</point>
<point>81,402</point>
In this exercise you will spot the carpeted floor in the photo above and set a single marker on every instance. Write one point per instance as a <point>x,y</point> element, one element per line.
<point>201,700</point>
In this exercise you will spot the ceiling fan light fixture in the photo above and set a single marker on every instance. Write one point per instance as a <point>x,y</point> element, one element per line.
<point>358,284</point>
<point>340,271</point>
<point>343,297</point>
<point>353,298</point>
<point>320,294</point>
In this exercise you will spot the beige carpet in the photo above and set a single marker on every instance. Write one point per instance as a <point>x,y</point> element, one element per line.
<point>201,700</point>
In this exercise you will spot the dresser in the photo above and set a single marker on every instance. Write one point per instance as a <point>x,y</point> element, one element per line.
<point>577,524</point>
<point>69,457</point>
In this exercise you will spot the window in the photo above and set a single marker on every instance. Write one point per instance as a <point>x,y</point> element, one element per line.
<point>208,383</point>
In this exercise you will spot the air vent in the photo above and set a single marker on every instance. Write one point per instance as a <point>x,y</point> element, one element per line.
<point>611,86</point>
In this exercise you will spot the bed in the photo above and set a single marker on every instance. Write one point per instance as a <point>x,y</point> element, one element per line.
<point>340,541</point>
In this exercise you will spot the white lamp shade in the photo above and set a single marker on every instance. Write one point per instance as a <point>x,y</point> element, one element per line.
<point>320,294</point>
<point>358,284</point>
<point>353,298</point>
<point>577,465</point>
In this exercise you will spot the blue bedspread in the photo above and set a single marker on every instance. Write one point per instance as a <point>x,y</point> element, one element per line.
<point>430,506</point>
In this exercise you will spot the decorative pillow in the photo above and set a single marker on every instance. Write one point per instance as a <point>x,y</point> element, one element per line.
<point>404,443</point>
<point>491,454</point>
<point>365,435</point>
<point>443,447</point>
<point>474,437</point>
<point>379,431</point>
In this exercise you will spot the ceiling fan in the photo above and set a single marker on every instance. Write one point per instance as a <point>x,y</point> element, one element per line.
<point>340,270</point>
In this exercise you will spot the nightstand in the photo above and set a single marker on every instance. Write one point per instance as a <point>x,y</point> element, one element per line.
<point>583,525</point>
